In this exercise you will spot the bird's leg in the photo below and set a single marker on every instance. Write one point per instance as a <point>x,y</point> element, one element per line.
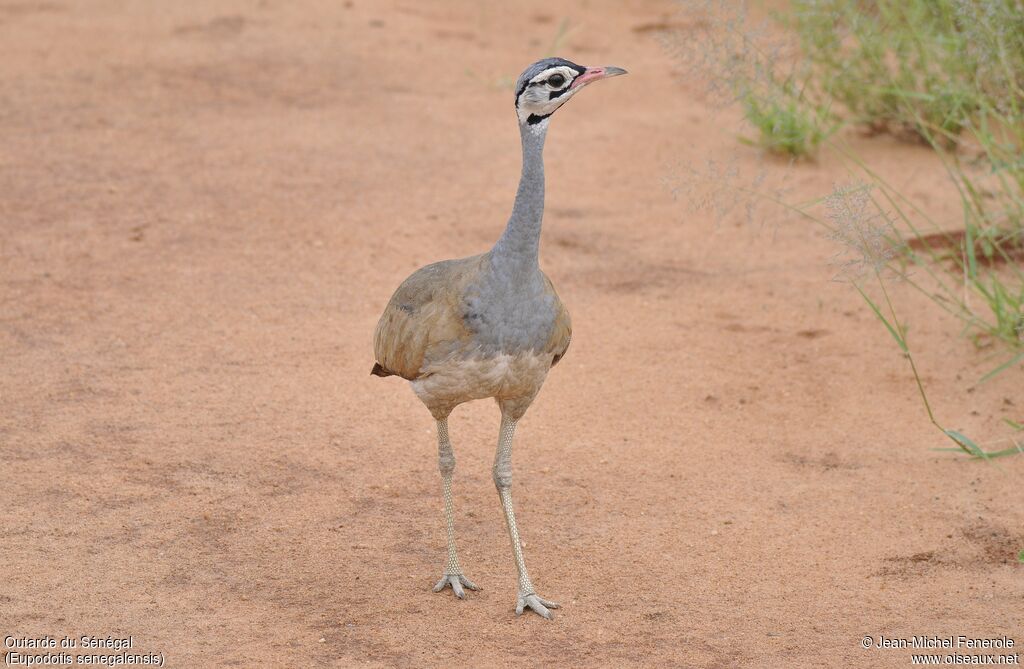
<point>446,463</point>
<point>502,471</point>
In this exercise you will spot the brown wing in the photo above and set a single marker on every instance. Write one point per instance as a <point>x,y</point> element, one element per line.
<point>423,313</point>
<point>561,334</point>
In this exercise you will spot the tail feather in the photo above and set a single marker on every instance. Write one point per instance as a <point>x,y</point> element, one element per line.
<point>378,370</point>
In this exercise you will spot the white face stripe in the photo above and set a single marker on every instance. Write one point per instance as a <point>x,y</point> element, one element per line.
<point>565,71</point>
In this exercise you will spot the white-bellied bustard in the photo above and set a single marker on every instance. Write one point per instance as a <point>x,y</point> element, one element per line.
<point>490,325</point>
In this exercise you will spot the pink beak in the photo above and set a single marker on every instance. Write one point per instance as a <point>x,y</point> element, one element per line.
<point>595,73</point>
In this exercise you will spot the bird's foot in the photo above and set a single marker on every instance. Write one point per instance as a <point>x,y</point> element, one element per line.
<point>456,581</point>
<point>531,600</point>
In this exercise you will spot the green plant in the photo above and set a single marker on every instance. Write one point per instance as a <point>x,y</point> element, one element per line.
<point>978,260</point>
<point>865,230</point>
<point>921,66</point>
<point>948,73</point>
<point>738,63</point>
<point>951,74</point>
<point>786,124</point>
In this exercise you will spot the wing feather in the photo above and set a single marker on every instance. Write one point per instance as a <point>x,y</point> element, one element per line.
<point>561,333</point>
<point>424,313</point>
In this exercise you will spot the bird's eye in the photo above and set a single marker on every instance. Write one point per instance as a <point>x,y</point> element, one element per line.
<point>556,80</point>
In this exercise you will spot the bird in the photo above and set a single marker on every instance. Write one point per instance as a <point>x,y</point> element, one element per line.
<point>490,325</point>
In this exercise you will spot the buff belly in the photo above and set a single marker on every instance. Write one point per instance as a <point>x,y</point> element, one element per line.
<point>502,376</point>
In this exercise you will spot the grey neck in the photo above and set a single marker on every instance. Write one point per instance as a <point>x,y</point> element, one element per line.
<point>519,245</point>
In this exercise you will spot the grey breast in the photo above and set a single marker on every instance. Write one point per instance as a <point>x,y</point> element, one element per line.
<point>509,310</point>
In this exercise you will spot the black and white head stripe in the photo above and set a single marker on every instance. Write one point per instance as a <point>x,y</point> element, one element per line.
<point>539,72</point>
<point>542,84</point>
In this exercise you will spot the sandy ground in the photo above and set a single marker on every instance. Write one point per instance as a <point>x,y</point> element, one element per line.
<point>205,207</point>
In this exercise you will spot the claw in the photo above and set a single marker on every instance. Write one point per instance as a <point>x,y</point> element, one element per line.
<point>456,581</point>
<point>538,604</point>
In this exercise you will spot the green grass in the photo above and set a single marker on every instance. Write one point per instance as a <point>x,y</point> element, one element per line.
<point>945,73</point>
<point>785,125</point>
<point>913,67</point>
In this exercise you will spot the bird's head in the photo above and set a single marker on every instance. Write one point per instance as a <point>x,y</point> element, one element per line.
<point>548,84</point>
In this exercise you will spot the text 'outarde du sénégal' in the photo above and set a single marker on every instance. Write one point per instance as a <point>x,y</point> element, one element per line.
<point>84,641</point>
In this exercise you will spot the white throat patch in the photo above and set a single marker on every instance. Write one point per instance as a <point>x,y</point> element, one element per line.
<point>538,128</point>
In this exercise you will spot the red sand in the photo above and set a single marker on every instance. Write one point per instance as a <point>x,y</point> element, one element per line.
<point>205,208</point>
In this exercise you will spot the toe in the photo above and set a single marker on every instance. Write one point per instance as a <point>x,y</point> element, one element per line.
<point>536,604</point>
<point>456,581</point>
<point>541,609</point>
<point>547,603</point>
